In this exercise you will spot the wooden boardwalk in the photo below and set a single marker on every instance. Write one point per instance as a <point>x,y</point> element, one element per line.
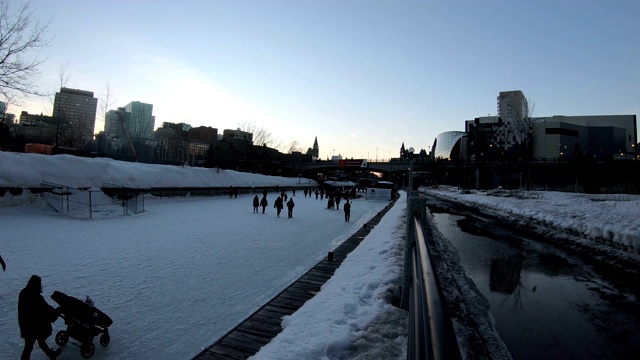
<point>259,328</point>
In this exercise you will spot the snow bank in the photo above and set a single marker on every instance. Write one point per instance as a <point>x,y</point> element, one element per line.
<point>606,225</point>
<point>76,171</point>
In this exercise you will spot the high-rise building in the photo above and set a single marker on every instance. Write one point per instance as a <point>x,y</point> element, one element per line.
<point>512,106</point>
<point>141,121</point>
<point>74,111</point>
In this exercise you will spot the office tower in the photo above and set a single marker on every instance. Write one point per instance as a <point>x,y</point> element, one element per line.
<point>74,114</point>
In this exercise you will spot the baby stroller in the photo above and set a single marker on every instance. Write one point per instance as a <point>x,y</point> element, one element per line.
<point>83,324</point>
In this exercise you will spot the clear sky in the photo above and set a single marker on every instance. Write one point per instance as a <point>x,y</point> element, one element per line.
<point>362,76</point>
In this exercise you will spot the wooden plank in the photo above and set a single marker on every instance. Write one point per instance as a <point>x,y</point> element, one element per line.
<point>231,353</point>
<point>267,319</point>
<point>259,329</point>
<point>241,336</point>
<point>241,345</point>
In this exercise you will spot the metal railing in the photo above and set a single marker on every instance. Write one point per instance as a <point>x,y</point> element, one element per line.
<point>132,199</point>
<point>431,334</point>
<point>86,202</point>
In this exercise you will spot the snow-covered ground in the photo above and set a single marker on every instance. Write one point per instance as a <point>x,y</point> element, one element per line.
<point>178,276</point>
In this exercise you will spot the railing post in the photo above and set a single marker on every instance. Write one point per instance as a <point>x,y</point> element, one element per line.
<point>415,205</point>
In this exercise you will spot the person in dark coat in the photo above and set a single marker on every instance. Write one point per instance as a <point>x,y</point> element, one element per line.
<point>4,266</point>
<point>347,210</point>
<point>256,203</point>
<point>278,205</point>
<point>290,206</point>
<point>264,203</point>
<point>35,316</point>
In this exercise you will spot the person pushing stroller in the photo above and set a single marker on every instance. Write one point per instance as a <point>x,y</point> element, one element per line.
<point>35,316</point>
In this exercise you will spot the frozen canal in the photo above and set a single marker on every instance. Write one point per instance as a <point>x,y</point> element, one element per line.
<point>174,278</point>
<point>547,304</point>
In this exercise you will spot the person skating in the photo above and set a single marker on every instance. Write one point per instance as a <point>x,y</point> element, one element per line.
<point>256,204</point>
<point>278,205</point>
<point>347,210</point>
<point>290,206</point>
<point>4,266</point>
<point>264,203</point>
<point>35,316</point>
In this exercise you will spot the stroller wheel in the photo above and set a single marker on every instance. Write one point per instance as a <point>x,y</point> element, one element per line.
<point>105,339</point>
<point>87,350</point>
<point>62,338</point>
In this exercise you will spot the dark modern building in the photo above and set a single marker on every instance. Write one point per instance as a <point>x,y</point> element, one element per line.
<point>552,138</point>
<point>75,113</point>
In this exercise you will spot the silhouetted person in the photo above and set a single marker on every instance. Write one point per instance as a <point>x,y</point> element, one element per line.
<point>35,316</point>
<point>290,206</point>
<point>4,266</point>
<point>264,203</point>
<point>347,210</point>
<point>256,203</point>
<point>278,205</point>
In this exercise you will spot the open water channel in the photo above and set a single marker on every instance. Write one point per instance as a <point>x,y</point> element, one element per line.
<point>547,303</point>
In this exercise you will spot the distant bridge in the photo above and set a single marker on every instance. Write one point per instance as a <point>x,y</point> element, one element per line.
<point>322,166</point>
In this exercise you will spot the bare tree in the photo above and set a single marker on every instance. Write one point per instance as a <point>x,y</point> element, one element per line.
<point>293,147</point>
<point>523,134</point>
<point>71,132</point>
<point>59,121</point>
<point>107,99</point>
<point>522,128</point>
<point>21,39</point>
<point>260,136</point>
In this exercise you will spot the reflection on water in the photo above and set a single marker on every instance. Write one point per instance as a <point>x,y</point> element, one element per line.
<point>547,304</point>
<point>504,274</point>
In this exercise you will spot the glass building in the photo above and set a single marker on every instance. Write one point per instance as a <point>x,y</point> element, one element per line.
<point>448,145</point>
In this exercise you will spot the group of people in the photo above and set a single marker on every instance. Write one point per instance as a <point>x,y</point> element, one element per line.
<point>278,204</point>
<point>321,193</point>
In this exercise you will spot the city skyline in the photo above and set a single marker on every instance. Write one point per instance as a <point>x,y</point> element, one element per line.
<point>362,77</point>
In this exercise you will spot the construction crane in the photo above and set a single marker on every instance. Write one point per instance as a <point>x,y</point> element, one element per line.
<point>123,125</point>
